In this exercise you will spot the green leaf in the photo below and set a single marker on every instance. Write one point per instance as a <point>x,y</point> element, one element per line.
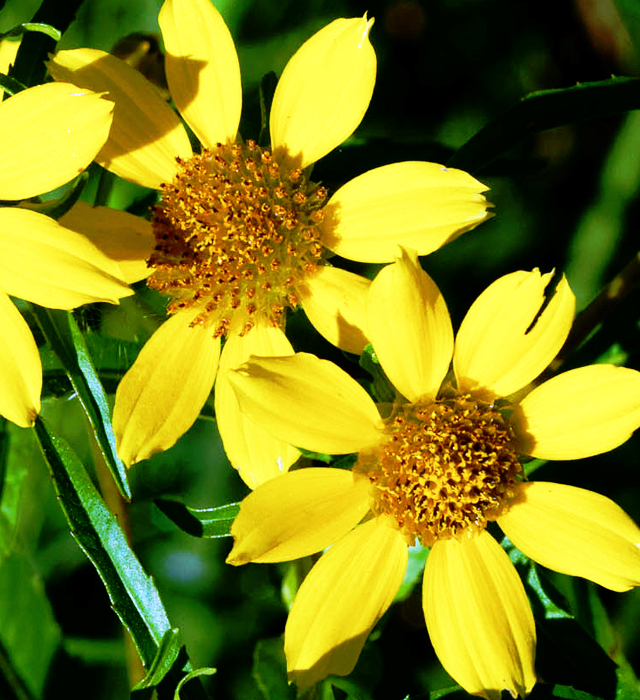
<point>10,85</point>
<point>270,670</point>
<point>168,653</point>
<point>29,634</point>
<point>413,575</point>
<point>35,47</point>
<point>200,522</point>
<point>189,676</point>
<point>133,594</point>
<point>546,109</point>
<point>21,29</point>
<point>62,332</point>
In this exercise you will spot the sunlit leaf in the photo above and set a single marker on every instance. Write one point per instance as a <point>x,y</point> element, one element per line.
<point>200,522</point>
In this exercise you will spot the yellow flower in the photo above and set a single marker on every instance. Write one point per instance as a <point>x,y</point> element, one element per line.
<point>442,462</point>
<point>48,135</point>
<point>241,232</point>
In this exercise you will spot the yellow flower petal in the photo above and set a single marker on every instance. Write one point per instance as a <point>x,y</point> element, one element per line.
<point>202,69</point>
<point>497,350</point>
<point>478,617</point>
<point>146,135</point>
<point>334,301</point>
<point>50,134</point>
<point>414,204</point>
<point>575,532</point>
<point>250,448</point>
<point>52,266</point>
<point>308,402</point>
<point>580,413</point>
<point>410,328</point>
<point>20,368</point>
<point>340,600</point>
<point>125,238</point>
<point>321,505</point>
<point>160,397</point>
<point>323,92</point>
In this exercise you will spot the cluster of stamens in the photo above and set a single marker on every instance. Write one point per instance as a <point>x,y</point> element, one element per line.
<point>447,468</point>
<point>236,233</point>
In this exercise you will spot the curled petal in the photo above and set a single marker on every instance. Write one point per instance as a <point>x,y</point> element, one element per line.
<point>410,327</point>
<point>414,204</point>
<point>340,601</point>
<point>583,412</point>
<point>202,67</point>
<point>255,453</point>
<point>308,402</point>
<point>125,238</point>
<point>575,532</point>
<point>322,505</point>
<point>146,134</point>
<point>52,266</point>
<point>50,134</point>
<point>504,341</point>
<point>478,617</point>
<point>323,92</point>
<point>20,368</point>
<point>334,301</point>
<point>162,394</point>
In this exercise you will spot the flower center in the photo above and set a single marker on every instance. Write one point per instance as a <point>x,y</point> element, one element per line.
<point>235,234</point>
<point>448,468</point>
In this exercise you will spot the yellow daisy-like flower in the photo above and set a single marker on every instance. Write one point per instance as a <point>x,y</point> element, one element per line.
<point>241,233</point>
<point>441,463</point>
<point>48,135</point>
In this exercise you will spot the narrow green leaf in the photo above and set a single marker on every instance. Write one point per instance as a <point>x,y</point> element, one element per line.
<point>133,594</point>
<point>35,47</point>
<point>270,670</point>
<point>189,676</point>
<point>62,332</point>
<point>546,109</point>
<point>29,634</point>
<point>168,653</point>
<point>382,389</point>
<point>415,566</point>
<point>10,85</point>
<point>21,29</point>
<point>200,522</point>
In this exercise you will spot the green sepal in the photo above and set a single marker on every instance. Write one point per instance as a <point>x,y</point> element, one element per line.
<point>200,522</point>
<point>382,389</point>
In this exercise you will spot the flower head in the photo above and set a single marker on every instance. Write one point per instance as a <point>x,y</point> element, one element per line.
<point>50,134</point>
<point>435,468</point>
<point>242,232</point>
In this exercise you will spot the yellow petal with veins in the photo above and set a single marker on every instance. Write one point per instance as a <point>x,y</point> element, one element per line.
<point>125,238</point>
<point>414,204</point>
<point>308,402</point>
<point>202,67</point>
<point>323,92</point>
<point>321,505</point>
<point>20,368</point>
<point>334,301</point>
<point>583,412</point>
<point>478,617</point>
<point>146,134</point>
<point>576,532</point>
<point>162,394</point>
<point>505,341</point>
<point>50,134</point>
<point>340,601</point>
<point>256,454</point>
<point>53,266</point>
<point>410,328</point>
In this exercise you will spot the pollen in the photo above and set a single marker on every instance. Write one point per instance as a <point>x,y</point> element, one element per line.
<point>235,235</point>
<point>447,468</point>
